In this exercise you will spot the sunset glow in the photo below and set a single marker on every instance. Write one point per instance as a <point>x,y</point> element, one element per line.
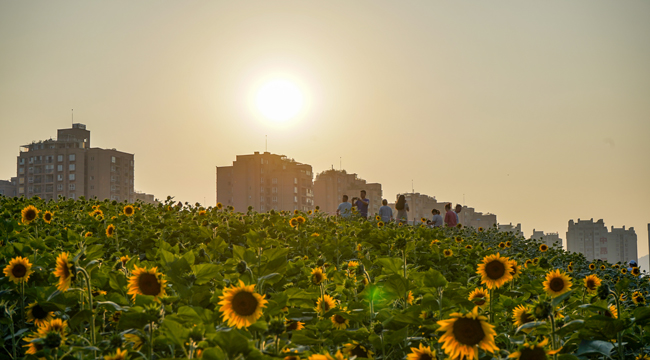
<point>279,100</point>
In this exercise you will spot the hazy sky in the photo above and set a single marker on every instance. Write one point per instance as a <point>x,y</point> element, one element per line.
<point>538,112</point>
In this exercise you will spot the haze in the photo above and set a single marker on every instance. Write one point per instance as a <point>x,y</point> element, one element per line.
<point>538,112</point>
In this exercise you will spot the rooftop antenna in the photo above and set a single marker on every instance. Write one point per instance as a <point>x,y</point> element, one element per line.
<point>340,163</point>
<point>266,145</point>
<point>72,111</point>
<point>412,187</point>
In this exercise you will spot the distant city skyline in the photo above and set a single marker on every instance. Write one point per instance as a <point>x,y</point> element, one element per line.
<point>535,111</point>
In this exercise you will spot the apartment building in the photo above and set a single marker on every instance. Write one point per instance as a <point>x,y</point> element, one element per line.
<point>331,185</point>
<point>265,181</point>
<point>547,238</point>
<point>8,188</point>
<point>70,167</point>
<point>593,240</point>
<point>513,229</point>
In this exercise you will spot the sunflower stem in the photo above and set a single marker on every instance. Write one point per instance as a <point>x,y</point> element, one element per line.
<point>151,340</point>
<point>22,301</point>
<point>554,341</point>
<point>406,295</point>
<point>619,339</point>
<point>491,307</point>
<point>90,303</point>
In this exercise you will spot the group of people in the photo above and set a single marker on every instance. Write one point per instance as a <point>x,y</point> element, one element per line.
<point>386,212</point>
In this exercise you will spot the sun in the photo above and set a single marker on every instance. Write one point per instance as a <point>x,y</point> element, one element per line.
<point>279,100</point>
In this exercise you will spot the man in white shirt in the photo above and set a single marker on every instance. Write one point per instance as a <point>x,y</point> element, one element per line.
<point>345,208</point>
<point>385,212</point>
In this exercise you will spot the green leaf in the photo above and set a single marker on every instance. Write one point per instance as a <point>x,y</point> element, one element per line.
<point>81,317</point>
<point>233,342</point>
<point>390,266</point>
<point>595,347</point>
<point>530,325</point>
<point>205,272</point>
<point>302,337</point>
<point>571,327</point>
<point>434,278</point>
<point>397,286</point>
<point>175,332</point>
<point>642,315</point>
<point>214,353</point>
<point>558,300</point>
<point>142,300</point>
<point>110,303</point>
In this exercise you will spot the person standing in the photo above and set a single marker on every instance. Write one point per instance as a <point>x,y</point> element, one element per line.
<point>402,208</point>
<point>458,210</point>
<point>362,205</point>
<point>345,208</point>
<point>436,221</point>
<point>385,212</point>
<point>450,216</point>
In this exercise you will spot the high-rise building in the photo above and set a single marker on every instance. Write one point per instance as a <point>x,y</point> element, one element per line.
<point>331,185</point>
<point>513,229</point>
<point>420,206</point>
<point>547,238</point>
<point>265,181</point>
<point>594,241</point>
<point>8,188</point>
<point>69,167</point>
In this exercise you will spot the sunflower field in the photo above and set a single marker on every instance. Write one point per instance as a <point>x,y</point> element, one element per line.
<point>106,280</point>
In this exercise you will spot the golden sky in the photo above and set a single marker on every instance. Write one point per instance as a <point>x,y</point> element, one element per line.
<point>538,112</point>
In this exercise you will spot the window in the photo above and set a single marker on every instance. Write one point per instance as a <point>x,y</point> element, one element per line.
<point>71,167</point>
<point>274,190</point>
<point>49,159</point>
<point>92,158</point>
<point>72,195</point>
<point>49,168</point>
<point>71,187</point>
<point>295,190</point>
<point>262,180</point>
<point>261,198</point>
<point>113,159</point>
<point>295,199</point>
<point>274,199</point>
<point>274,180</point>
<point>59,168</point>
<point>59,158</point>
<point>21,190</point>
<point>49,188</point>
<point>30,179</point>
<point>21,170</point>
<point>295,180</point>
<point>261,170</point>
<point>112,168</point>
<point>59,177</point>
<point>21,161</point>
<point>71,177</point>
<point>59,187</point>
<point>21,180</point>
<point>261,189</point>
<point>92,187</point>
<point>71,157</point>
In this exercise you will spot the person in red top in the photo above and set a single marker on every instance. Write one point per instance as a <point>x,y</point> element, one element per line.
<point>450,216</point>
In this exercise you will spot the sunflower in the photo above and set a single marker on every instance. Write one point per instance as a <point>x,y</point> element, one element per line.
<point>495,271</point>
<point>325,304</point>
<point>638,298</point>
<point>377,218</point>
<point>522,315</point>
<point>480,297</point>
<point>536,261</point>
<point>38,315</point>
<point>146,282</point>
<point>57,325</point>
<point>516,269</point>
<point>623,271</point>
<point>569,268</point>
<point>315,234</point>
<point>33,346</point>
<point>635,271</point>
<point>293,222</point>
<point>64,271</point>
<point>124,259</point>
<point>219,206</point>
<point>557,283</point>
<point>18,270</point>
<point>358,350</point>
<point>458,239</point>
<point>409,298</point>
<point>592,267</point>
<point>480,229</point>
<point>616,266</point>
<point>29,214</point>
<point>464,332</point>
<point>110,230</point>
<point>296,212</point>
<point>468,247</point>
<point>294,325</point>
<point>339,322</point>
<point>202,212</point>
<point>88,234</point>
<point>301,219</point>
<point>119,355</point>
<point>380,224</point>
<point>241,305</point>
<point>135,339</point>
<point>423,220</point>
<point>434,242</point>
<point>448,252</point>
<point>317,276</point>
<point>603,267</point>
<point>533,351</point>
<point>508,243</point>
<point>623,297</point>
<point>611,312</point>
<point>528,263</point>
<point>421,353</point>
<point>642,357</point>
<point>592,282</point>
<point>502,245</point>
<point>129,210</point>
<point>543,248</point>
<point>47,217</point>
<point>116,316</point>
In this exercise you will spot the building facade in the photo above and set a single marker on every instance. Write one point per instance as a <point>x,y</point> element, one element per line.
<point>8,188</point>
<point>69,167</point>
<point>513,229</point>
<point>547,238</point>
<point>594,241</point>
<point>265,181</point>
<point>331,185</point>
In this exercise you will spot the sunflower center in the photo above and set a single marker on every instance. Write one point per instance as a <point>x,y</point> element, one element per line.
<point>339,319</point>
<point>30,215</point>
<point>533,354</point>
<point>468,331</point>
<point>293,325</point>
<point>479,301</point>
<point>48,217</point>
<point>325,305</point>
<point>358,351</point>
<point>318,277</point>
<point>525,318</point>
<point>149,285</point>
<point>38,312</point>
<point>19,270</point>
<point>244,303</point>
<point>425,357</point>
<point>66,270</point>
<point>495,270</point>
<point>557,284</point>
<point>591,285</point>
